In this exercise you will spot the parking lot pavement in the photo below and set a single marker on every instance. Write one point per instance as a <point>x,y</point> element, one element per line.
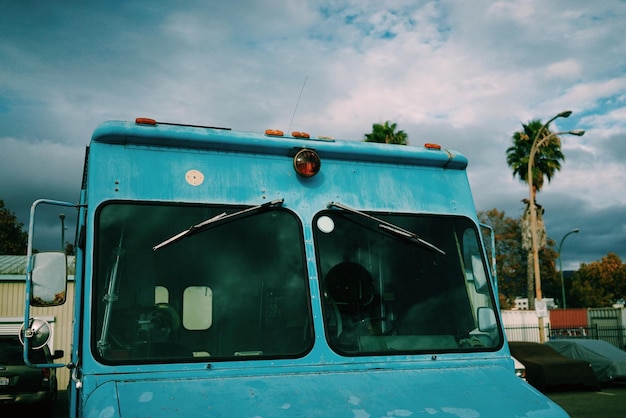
<point>606,403</point>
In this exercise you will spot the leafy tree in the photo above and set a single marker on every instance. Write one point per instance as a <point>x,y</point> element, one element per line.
<point>386,134</point>
<point>511,263</point>
<point>69,248</point>
<point>550,276</point>
<point>545,163</point>
<point>13,240</point>
<point>600,283</point>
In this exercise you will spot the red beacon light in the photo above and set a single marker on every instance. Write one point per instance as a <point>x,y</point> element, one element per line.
<point>307,163</point>
<point>429,145</point>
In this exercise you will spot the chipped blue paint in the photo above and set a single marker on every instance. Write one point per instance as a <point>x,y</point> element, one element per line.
<point>489,391</point>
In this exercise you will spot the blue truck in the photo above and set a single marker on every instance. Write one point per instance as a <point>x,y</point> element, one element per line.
<point>224,273</point>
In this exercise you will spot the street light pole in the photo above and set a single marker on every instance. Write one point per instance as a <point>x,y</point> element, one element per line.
<point>574,231</point>
<point>538,142</point>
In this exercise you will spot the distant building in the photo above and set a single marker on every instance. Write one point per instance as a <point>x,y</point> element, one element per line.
<point>521,304</point>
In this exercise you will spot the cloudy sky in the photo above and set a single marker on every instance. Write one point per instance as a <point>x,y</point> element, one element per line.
<point>464,74</point>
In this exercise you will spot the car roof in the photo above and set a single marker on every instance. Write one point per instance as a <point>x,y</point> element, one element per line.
<point>599,347</point>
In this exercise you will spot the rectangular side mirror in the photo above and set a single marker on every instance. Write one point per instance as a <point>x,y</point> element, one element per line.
<point>486,319</point>
<point>49,279</point>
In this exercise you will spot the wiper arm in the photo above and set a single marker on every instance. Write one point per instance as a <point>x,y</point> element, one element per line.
<point>211,221</point>
<point>391,228</point>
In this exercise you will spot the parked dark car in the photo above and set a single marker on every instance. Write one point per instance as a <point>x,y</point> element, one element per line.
<point>546,369</point>
<point>607,361</point>
<point>24,385</point>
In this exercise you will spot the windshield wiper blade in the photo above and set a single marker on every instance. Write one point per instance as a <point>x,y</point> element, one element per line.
<point>194,229</point>
<point>391,228</point>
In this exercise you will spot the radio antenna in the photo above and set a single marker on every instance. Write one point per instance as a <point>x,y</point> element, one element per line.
<point>297,103</point>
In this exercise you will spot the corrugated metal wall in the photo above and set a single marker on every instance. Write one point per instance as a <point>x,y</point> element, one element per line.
<point>612,316</point>
<point>521,318</point>
<point>12,305</point>
<point>523,325</point>
<point>566,318</point>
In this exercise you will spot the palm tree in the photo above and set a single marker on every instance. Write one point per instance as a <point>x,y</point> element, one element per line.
<point>546,162</point>
<point>386,134</point>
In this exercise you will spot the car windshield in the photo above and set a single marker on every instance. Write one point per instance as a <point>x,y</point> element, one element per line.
<point>235,290</point>
<point>384,294</point>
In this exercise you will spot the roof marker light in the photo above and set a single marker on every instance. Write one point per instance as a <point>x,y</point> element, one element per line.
<point>145,121</point>
<point>307,163</point>
<point>300,135</point>
<point>429,145</point>
<point>274,132</point>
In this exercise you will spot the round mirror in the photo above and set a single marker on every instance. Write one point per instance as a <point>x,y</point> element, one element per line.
<point>38,333</point>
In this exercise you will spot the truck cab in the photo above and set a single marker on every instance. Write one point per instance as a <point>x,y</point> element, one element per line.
<point>225,273</point>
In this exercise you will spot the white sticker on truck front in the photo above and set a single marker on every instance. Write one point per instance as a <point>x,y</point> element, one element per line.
<point>194,177</point>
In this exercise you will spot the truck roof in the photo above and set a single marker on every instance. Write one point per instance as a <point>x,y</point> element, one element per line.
<point>161,134</point>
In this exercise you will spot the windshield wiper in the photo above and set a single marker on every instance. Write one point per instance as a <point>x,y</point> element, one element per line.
<point>391,228</point>
<point>212,221</point>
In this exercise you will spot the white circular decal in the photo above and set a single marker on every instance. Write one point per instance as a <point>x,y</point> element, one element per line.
<point>194,177</point>
<point>325,224</point>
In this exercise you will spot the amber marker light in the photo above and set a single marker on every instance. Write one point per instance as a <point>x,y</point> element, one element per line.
<point>274,132</point>
<point>145,121</point>
<point>300,135</point>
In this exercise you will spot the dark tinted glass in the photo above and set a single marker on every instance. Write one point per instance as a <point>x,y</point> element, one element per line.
<point>237,290</point>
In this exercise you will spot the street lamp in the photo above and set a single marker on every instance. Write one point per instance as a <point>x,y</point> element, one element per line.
<point>538,142</point>
<point>574,231</point>
<point>62,217</point>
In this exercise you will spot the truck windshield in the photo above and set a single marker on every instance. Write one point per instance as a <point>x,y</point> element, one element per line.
<point>236,291</point>
<point>385,295</point>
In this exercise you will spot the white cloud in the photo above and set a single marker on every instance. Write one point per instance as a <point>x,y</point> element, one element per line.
<point>463,74</point>
<point>587,95</point>
<point>520,11</point>
<point>566,69</point>
<point>608,124</point>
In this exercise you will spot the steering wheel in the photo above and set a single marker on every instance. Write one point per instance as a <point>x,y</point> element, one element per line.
<point>164,321</point>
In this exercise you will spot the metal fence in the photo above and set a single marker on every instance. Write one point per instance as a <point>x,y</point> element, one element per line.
<point>612,335</point>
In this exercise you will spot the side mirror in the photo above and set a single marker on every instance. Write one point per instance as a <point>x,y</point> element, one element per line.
<point>49,279</point>
<point>37,332</point>
<point>480,278</point>
<point>486,320</point>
